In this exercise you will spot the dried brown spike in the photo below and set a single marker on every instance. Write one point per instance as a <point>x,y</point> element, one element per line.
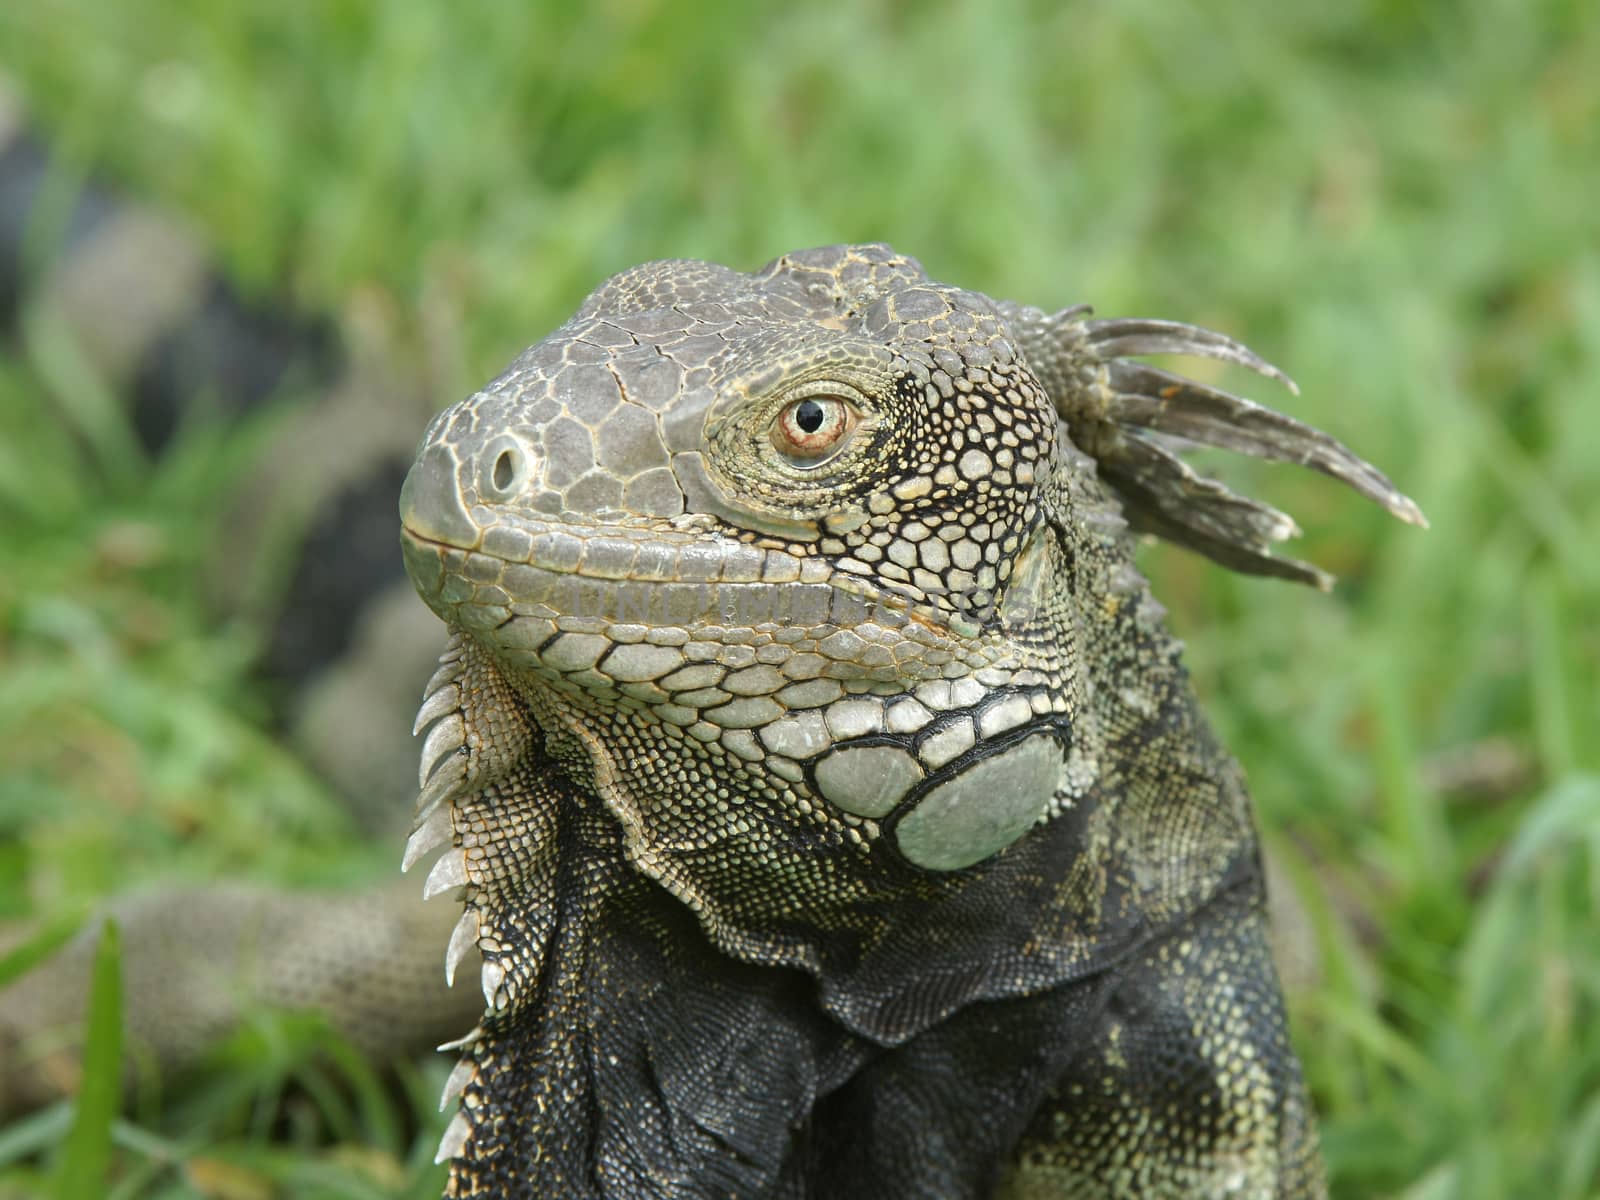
<point>1131,417</point>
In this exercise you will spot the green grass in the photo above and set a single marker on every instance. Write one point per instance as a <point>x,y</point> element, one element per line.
<point>1392,199</point>
<point>83,1166</point>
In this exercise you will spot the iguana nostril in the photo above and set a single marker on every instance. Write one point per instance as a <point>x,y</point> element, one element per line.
<point>506,463</point>
<point>504,469</point>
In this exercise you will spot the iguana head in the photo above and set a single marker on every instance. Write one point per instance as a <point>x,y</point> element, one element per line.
<point>801,580</point>
<point>794,568</point>
<point>815,528</point>
<point>775,521</point>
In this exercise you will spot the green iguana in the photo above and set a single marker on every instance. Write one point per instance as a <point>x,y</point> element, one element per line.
<point>829,804</point>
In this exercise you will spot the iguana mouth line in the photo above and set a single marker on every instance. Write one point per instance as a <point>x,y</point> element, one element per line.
<point>624,553</point>
<point>545,570</point>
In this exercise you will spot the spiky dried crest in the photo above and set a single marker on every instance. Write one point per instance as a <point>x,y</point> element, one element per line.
<point>1133,418</point>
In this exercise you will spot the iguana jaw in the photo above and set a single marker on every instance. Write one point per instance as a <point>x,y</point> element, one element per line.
<point>528,569</point>
<point>805,684</point>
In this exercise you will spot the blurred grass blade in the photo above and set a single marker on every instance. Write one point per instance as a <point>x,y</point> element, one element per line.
<point>85,1162</point>
<point>1559,819</point>
<point>32,1134</point>
<point>82,397</point>
<point>1582,1168</point>
<point>40,945</point>
<point>1555,703</point>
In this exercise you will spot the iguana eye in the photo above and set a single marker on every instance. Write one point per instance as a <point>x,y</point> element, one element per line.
<point>811,430</point>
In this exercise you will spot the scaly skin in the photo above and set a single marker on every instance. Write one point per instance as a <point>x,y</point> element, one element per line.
<point>828,801</point>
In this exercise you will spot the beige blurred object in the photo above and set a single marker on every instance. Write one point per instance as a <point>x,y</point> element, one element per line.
<point>197,962</point>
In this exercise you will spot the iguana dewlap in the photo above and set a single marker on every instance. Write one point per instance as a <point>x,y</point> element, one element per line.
<point>830,807</point>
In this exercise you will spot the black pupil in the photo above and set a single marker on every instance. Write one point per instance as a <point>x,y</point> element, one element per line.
<point>809,416</point>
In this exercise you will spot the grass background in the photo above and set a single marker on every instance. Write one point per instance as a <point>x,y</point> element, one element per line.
<point>1396,200</point>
